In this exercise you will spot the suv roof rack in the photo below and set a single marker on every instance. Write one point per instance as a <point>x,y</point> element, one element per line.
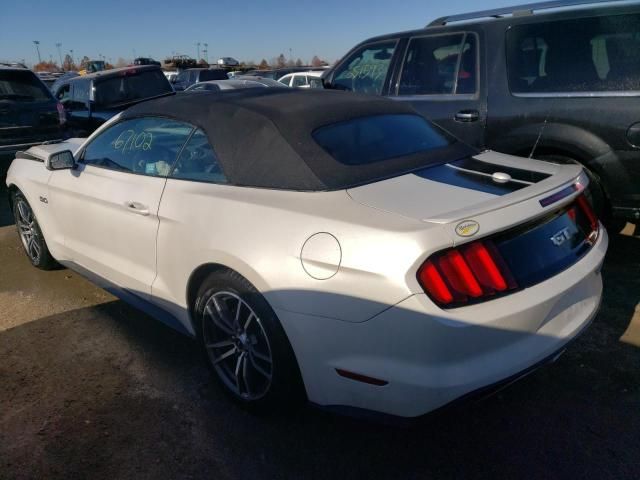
<point>516,10</point>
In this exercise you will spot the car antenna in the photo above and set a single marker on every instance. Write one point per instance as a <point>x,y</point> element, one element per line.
<point>535,145</point>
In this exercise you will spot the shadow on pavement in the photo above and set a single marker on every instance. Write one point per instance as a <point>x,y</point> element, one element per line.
<point>106,392</point>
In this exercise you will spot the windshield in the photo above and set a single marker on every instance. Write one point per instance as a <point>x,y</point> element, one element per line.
<point>130,87</point>
<point>22,86</point>
<point>373,139</point>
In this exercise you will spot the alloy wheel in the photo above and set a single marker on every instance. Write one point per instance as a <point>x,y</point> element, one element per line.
<point>237,346</point>
<point>28,230</point>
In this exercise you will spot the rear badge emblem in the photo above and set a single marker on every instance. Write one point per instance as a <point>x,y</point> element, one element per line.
<point>467,228</point>
<point>562,236</point>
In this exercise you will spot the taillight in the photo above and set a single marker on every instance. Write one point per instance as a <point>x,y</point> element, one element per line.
<point>585,206</point>
<point>467,274</point>
<point>62,114</point>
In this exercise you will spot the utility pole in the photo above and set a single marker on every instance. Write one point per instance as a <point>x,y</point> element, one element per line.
<point>198,55</point>
<point>36,43</point>
<point>58,45</point>
<point>206,52</point>
<point>73,61</point>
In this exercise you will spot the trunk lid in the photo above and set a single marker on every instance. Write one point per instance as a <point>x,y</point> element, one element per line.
<point>494,190</point>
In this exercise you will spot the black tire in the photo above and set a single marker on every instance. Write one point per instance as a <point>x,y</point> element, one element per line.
<point>33,242</point>
<point>284,388</point>
<point>595,193</point>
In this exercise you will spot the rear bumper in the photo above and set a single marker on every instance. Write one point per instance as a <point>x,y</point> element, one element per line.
<point>430,357</point>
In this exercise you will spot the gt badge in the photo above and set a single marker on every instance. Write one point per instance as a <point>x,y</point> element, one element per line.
<point>467,228</point>
<point>562,236</point>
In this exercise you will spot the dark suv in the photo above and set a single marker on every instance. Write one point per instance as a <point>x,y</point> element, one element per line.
<point>29,114</point>
<point>91,100</point>
<point>191,76</point>
<point>563,86</point>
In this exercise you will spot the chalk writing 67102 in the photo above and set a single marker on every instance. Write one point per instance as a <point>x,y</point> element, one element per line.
<point>130,140</point>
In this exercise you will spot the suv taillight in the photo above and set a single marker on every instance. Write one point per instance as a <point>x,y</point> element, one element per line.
<point>62,114</point>
<point>470,273</point>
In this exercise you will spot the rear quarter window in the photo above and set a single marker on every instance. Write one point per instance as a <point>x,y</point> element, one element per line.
<point>376,138</point>
<point>598,54</point>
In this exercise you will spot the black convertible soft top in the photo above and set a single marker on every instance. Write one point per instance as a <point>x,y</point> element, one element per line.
<point>264,137</point>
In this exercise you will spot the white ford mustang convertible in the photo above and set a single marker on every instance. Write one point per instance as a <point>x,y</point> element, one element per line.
<point>321,245</point>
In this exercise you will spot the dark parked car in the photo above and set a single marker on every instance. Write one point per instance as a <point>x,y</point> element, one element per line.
<point>91,100</point>
<point>276,74</point>
<point>146,61</point>
<point>29,114</point>
<point>566,82</point>
<point>191,76</point>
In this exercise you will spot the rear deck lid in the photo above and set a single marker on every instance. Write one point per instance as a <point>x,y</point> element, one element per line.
<point>468,187</point>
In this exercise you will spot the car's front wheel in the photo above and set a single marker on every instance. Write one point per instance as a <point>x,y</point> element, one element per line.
<point>30,234</point>
<point>244,344</point>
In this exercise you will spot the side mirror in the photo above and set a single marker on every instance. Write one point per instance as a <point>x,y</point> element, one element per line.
<point>60,161</point>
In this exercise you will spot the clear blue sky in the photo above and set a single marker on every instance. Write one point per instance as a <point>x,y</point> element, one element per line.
<point>244,29</point>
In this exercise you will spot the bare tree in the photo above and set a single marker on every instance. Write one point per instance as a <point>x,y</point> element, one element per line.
<point>121,62</point>
<point>299,63</point>
<point>264,64</point>
<point>281,61</point>
<point>317,62</point>
<point>67,64</point>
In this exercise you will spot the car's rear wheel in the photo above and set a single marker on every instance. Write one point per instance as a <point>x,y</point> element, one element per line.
<point>30,234</point>
<point>244,344</point>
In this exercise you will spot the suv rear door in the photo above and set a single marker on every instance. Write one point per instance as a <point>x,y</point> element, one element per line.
<point>572,85</point>
<point>440,75</point>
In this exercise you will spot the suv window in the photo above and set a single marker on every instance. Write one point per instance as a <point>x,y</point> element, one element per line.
<point>286,80</point>
<point>366,69</point>
<point>581,55</point>
<point>299,81</point>
<point>182,77</point>
<point>198,161</point>
<point>147,146</point>
<point>440,65</point>
<point>375,138</point>
<point>213,74</point>
<point>22,86</point>
<point>131,86</point>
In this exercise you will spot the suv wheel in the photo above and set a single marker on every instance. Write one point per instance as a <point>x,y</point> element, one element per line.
<point>244,344</point>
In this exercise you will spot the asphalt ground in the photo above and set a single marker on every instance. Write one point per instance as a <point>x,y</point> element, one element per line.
<point>92,388</point>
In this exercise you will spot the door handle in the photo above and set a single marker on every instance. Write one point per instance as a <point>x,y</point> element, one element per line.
<point>467,116</point>
<point>138,208</point>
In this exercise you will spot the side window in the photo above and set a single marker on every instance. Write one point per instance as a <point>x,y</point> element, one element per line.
<point>182,77</point>
<point>146,146</point>
<point>79,96</point>
<point>366,70</point>
<point>198,161</point>
<point>64,94</point>
<point>440,65</point>
<point>299,81</point>
<point>573,56</point>
<point>286,80</point>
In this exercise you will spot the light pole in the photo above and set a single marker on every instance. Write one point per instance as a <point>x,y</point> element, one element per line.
<point>206,52</point>
<point>36,43</point>
<point>198,55</point>
<point>58,45</point>
<point>73,62</point>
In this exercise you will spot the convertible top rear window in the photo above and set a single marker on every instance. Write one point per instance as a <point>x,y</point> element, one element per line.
<point>373,139</point>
